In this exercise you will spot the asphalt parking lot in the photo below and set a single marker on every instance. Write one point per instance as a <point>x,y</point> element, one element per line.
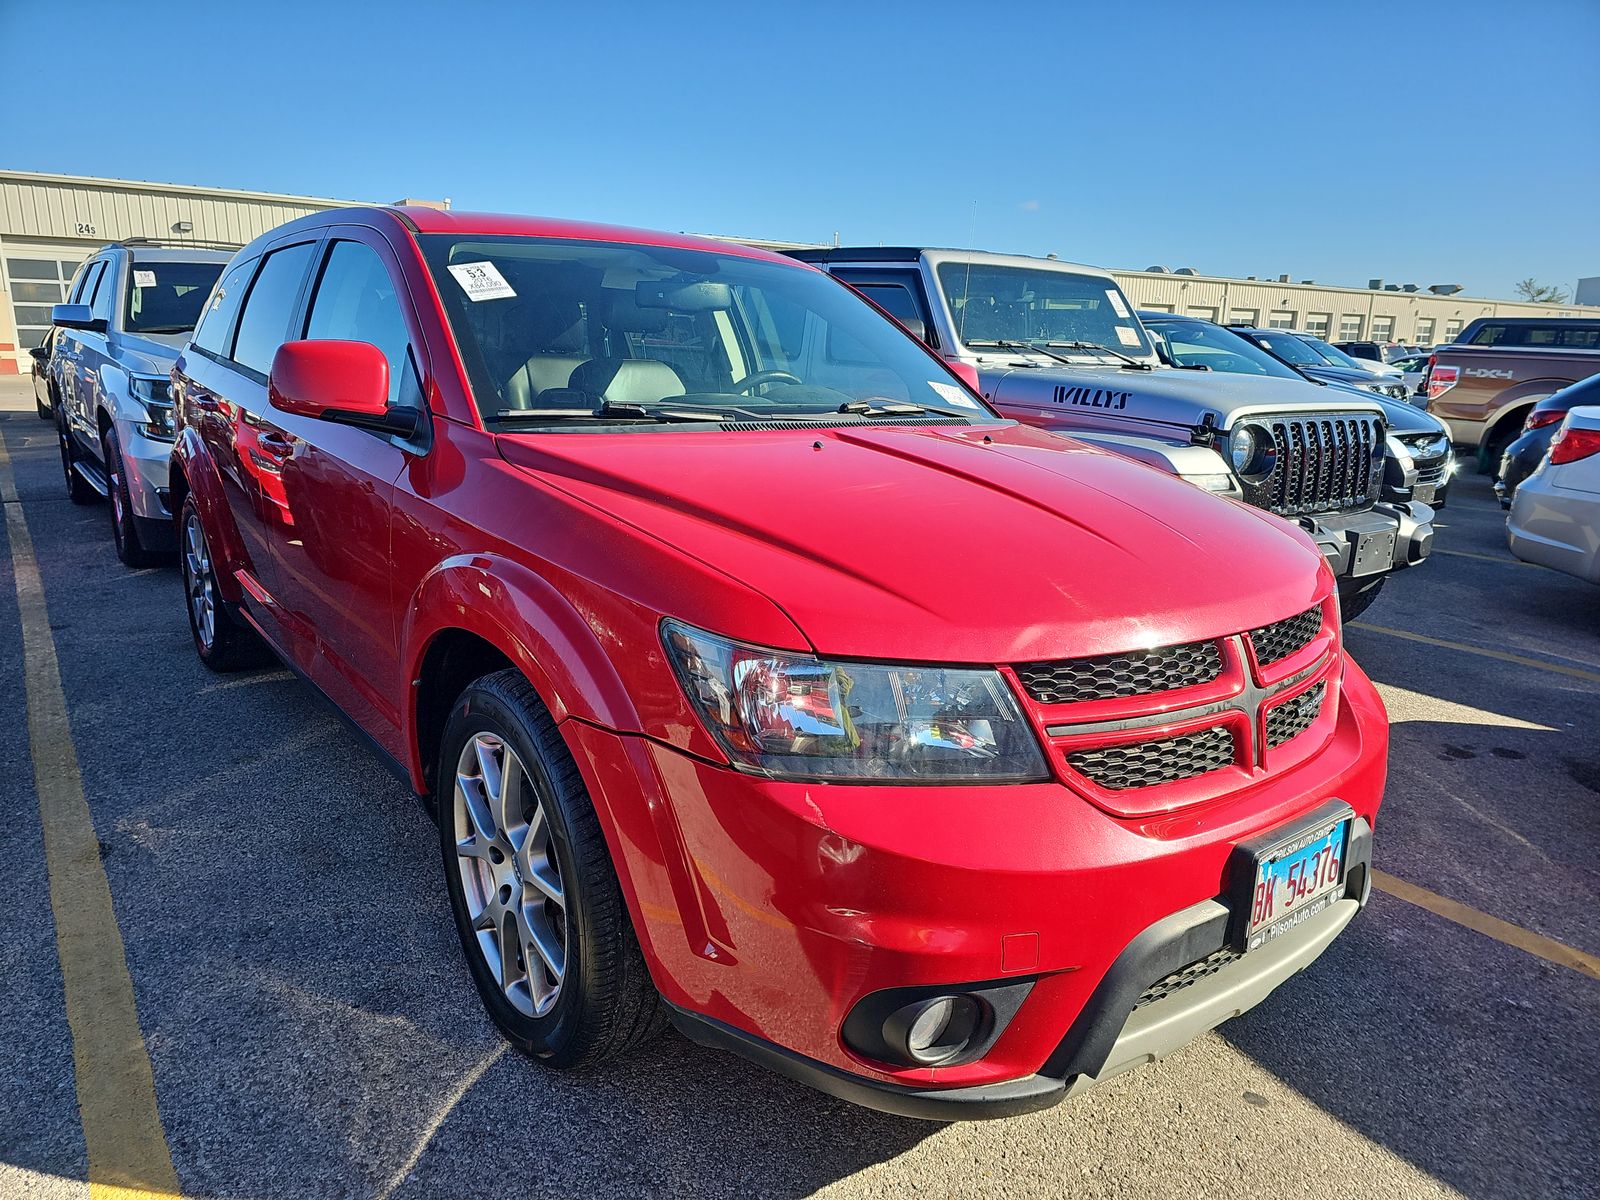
<point>311,1029</point>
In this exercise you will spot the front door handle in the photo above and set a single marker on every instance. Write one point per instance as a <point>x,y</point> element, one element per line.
<point>275,446</point>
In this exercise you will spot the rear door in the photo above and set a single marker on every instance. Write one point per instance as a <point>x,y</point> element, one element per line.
<point>75,360</point>
<point>332,538</point>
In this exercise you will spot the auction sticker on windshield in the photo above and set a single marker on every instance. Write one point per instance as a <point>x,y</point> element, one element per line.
<point>481,281</point>
<point>1295,882</point>
<point>951,394</point>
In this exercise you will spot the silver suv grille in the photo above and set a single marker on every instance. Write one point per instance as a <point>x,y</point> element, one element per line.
<point>1327,463</point>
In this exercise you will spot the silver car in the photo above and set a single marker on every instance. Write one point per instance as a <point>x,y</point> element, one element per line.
<point>1555,517</point>
<point>130,310</point>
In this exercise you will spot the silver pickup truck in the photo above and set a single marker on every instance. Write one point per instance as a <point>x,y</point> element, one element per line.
<point>1059,346</point>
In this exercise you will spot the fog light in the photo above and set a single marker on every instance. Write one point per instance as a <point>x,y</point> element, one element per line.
<point>935,1031</point>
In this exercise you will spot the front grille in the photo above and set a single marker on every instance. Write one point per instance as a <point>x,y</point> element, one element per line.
<point>1145,764</point>
<point>1293,717</point>
<point>1277,641</point>
<point>1140,673</point>
<point>1324,464</point>
<point>1187,976</point>
<point>1431,474</point>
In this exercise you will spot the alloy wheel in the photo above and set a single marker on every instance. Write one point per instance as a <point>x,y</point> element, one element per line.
<point>510,878</point>
<point>115,475</point>
<point>199,580</point>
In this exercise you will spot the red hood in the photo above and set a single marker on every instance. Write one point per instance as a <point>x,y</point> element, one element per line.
<point>927,543</point>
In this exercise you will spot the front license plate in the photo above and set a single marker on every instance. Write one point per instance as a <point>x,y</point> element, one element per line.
<point>1424,493</point>
<point>1374,553</point>
<point>1295,883</point>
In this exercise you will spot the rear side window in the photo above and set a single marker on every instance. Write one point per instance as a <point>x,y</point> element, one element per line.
<point>264,323</point>
<point>1561,335</point>
<point>356,301</point>
<point>217,319</point>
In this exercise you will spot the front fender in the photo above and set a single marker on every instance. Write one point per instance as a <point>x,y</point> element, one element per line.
<point>514,609</point>
<point>192,461</point>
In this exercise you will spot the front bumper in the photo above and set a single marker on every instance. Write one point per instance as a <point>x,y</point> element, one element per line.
<point>768,911</point>
<point>1384,538</point>
<point>146,463</point>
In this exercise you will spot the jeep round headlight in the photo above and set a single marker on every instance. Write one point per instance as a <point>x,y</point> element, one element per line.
<point>1251,452</point>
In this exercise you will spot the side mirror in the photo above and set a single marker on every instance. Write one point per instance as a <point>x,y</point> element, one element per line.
<point>343,382</point>
<point>76,316</point>
<point>39,354</point>
<point>915,327</point>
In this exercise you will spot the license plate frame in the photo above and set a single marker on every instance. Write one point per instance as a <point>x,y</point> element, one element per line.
<point>1329,827</point>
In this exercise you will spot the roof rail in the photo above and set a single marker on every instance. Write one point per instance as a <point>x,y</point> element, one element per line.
<point>177,243</point>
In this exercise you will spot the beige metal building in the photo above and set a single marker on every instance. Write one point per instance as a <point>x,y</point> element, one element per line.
<point>1338,314</point>
<point>50,223</point>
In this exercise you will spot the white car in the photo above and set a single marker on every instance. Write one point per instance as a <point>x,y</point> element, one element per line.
<point>1555,517</point>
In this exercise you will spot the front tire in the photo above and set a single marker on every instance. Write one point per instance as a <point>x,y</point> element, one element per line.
<point>124,533</point>
<point>537,904</point>
<point>46,413</point>
<point>222,641</point>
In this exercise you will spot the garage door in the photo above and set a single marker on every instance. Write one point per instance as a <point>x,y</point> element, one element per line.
<point>34,284</point>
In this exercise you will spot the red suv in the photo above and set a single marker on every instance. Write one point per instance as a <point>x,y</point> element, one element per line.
<point>759,676</point>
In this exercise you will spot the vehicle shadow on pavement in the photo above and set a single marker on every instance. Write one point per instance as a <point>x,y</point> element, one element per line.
<point>1471,1059</point>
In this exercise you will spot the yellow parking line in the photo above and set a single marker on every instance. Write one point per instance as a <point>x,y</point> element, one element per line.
<point>127,1147</point>
<point>1465,915</point>
<point>1494,558</point>
<point>1500,655</point>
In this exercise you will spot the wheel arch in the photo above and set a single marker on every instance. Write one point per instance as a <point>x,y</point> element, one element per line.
<point>190,471</point>
<point>474,614</point>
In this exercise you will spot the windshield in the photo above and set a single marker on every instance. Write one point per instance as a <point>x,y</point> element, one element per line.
<point>1199,344</point>
<point>166,297</point>
<point>569,334</point>
<point>991,305</point>
<point>1291,348</point>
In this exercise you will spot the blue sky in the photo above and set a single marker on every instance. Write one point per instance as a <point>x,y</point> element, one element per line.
<point>1449,142</point>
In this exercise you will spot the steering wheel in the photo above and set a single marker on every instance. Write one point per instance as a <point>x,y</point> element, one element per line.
<point>757,378</point>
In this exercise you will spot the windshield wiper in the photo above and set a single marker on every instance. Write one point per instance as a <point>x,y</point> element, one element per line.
<point>1132,362</point>
<point>889,408</point>
<point>665,414</point>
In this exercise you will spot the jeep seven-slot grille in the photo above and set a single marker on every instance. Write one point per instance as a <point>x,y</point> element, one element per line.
<point>1187,976</point>
<point>1072,680</point>
<point>1325,464</point>
<point>1293,717</point>
<point>1283,638</point>
<point>1144,764</point>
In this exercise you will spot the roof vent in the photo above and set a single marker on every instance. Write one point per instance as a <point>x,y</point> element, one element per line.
<point>1157,271</point>
<point>1375,285</point>
<point>1283,279</point>
<point>1409,287</point>
<point>1444,289</point>
<point>1391,287</point>
<point>1186,271</point>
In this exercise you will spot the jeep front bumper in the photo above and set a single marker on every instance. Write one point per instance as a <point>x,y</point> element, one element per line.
<point>1383,538</point>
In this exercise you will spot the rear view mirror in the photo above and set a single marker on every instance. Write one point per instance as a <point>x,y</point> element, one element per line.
<point>681,295</point>
<point>76,316</point>
<point>343,382</point>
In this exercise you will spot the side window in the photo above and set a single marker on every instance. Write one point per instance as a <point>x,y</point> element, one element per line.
<point>217,319</point>
<point>104,302</point>
<point>897,294</point>
<point>81,284</point>
<point>264,323</point>
<point>91,280</point>
<point>356,301</point>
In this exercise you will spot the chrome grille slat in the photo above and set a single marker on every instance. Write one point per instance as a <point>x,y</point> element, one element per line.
<point>1325,462</point>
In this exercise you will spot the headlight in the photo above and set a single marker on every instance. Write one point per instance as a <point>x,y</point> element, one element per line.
<point>1252,452</point>
<point>1402,453</point>
<point>154,398</point>
<point>792,715</point>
